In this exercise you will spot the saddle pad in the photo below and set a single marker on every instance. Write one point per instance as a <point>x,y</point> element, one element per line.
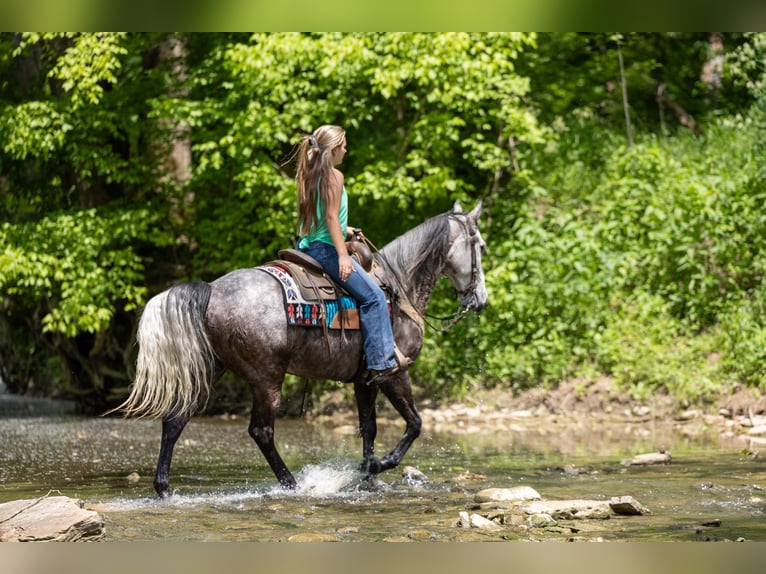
<point>312,313</point>
<point>312,285</point>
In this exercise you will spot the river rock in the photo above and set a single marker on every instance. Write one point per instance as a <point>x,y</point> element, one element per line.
<point>627,505</point>
<point>50,518</point>
<point>313,537</point>
<point>647,459</point>
<point>512,494</point>
<point>540,520</point>
<point>478,521</point>
<point>412,474</point>
<point>570,509</point>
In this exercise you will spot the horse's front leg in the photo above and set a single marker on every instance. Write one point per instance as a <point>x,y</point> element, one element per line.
<point>399,392</point>
<point>368,426</point>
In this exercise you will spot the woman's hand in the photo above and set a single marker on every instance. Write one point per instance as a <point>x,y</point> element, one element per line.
<point>345,267</point>
<point>354,233</point>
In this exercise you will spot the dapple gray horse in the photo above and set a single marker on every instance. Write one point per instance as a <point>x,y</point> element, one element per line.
<point>191,333</point>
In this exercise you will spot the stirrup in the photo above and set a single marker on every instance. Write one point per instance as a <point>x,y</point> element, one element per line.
<point>374,376</point>
<point>402,364</point>
<point>401,360</point>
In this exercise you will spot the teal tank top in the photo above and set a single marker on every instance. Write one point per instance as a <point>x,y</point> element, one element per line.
<point>319,231</point>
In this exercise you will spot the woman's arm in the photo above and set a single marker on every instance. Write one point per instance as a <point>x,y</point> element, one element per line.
<point>345,267</point>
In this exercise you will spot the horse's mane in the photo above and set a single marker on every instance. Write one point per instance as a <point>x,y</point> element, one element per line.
<point>427,241</point>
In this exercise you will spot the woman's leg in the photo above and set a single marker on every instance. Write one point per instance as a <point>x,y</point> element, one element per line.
<point>373,308</point>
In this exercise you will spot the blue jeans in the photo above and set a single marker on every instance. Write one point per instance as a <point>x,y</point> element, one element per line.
<point>373,309</point>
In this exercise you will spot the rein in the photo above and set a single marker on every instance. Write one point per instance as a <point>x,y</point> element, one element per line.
<point>453,319</point>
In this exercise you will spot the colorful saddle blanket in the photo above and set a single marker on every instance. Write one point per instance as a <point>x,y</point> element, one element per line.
<point>312,301</point>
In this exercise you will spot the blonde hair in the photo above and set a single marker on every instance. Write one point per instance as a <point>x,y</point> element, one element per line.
<point>314,165</point>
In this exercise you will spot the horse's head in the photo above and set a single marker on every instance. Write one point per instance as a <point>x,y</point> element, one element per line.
<point>463,266</point>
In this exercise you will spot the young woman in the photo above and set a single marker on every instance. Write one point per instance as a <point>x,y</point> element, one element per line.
<point>323,229</point>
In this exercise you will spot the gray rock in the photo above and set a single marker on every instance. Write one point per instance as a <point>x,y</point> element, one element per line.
<point>627,505</point>
<point>570,509</point>
<point>513,494</point>
<point>540,520</point>
<point>313,537</point>
<point>464,520</point>
<point>412,474</point>
<point>648,459</point>
<point>478,521</point>
<point>50,518</point>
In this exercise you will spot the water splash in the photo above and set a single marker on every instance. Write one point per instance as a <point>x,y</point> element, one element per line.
<point>330,480</point>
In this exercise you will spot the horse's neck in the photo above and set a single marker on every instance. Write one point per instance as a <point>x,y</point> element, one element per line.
<point>419,283</point>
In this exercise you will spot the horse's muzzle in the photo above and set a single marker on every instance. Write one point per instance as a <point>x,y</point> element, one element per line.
<point>473,302</point>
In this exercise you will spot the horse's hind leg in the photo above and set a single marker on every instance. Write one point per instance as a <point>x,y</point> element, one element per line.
<point>261,429</point>
<point>399,392</point>
<point>171,430</point>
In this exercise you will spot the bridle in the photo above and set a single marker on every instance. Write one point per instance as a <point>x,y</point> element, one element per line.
<point>473,236</point>
<point>462,311</point>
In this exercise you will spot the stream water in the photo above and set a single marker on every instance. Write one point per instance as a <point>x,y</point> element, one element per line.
<point>224,491</point>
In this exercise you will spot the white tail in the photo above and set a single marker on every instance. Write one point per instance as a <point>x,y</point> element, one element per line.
<point>175,366</point>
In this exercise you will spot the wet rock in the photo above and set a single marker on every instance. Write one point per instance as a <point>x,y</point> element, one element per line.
<point>541,520</point>
<point>51,518</point>
<point>478,521</point>
<point>689,415</point>
<point>641,411</point>
<point>412,474</point>
<point>464,520</point>
<point>753,420</point>
<point>570,509</point>
<point>627,505</point>
<point>397,539</point>
<point>647,459</point>
<point>313,537</point>
<point>513,494</point>
<point>133,477</point>
<point>470,476</point>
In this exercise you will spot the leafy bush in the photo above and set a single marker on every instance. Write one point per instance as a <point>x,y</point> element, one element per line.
<point>649,275</point>
<point>647,350</point>
<point>741,338</point>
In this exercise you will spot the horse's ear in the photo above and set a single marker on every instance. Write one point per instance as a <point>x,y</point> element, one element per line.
<point>476,211</point>
<point>457,208</point>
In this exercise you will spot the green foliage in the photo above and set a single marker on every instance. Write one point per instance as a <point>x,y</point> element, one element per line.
<point>692,236</point>
<point>427,117</point>
<point>80,263</point>
<point>741,338</point>
<point>642,269</point>
<point>645,349</point>
<point>131,161</point>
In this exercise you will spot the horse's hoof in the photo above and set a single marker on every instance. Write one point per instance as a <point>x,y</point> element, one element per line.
<point>162,490</point>
<point>288,482</point>
<point>371,466</point>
